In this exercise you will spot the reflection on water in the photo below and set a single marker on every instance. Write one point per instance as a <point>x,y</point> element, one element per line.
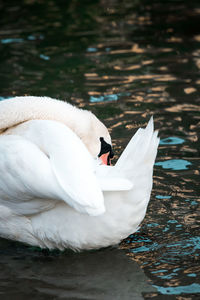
<point>174,164</point>
<point>171,141</point>
<point>125,61</point>
<point>27,273</point>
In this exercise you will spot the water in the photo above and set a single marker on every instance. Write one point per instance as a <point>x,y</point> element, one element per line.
<point>27,273</point>
<point>125,61</point>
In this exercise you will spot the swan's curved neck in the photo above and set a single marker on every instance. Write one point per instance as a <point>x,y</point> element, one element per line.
<point>21,109</point>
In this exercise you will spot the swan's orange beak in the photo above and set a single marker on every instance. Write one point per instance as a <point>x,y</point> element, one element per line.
<point>105,158</point>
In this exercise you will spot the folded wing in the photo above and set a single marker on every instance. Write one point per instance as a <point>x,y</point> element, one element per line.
<point>48,162</point>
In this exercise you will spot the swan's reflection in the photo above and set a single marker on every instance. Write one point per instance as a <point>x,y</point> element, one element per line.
<point>106,274</point>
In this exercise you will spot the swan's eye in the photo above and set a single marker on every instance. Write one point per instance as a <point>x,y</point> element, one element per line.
<point>106,148</point>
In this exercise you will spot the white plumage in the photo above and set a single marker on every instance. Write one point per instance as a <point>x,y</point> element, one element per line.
<point>54,194</point>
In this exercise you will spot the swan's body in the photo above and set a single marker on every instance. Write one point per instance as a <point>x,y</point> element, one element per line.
<point>54,194</point>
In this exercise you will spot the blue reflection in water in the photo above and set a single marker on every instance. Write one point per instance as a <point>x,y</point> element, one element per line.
<point>163,197</point>
<point>152,225</point>
<point>194,202</point>
<point>20,40</point>
<point>141,249</point>
<point>159,271</point>
<point>150,247</point>
<point>106,98</point>
<point>91,49</point>
<point>94,49</point>
<point>174,164</point>
<point>12,40</point>
<point>113,97</point>
<point>33,37</point>
<point>45,57</point>
<point>171,141</point>
<point>192,275</point>
<point>169,276</point>
<point>140,239</point>
<point>177,290</point>
<point>172,221</point>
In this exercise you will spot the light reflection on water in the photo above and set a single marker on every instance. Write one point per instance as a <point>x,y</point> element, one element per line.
<point>171,141</point>
<point>174,164</point>
<point>125,61</point>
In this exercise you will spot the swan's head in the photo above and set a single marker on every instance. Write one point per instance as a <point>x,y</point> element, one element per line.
<point>97,139</point>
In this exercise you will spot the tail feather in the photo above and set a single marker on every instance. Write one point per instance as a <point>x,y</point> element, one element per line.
<point>136,165</point>
<point>141,148</point>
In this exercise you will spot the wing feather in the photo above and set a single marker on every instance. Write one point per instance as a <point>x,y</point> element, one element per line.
<point>58,166</point>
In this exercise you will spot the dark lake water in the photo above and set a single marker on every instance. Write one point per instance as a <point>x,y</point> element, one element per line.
<point>125,60</point>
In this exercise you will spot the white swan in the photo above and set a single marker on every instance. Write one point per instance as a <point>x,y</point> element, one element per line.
<point>51,187</point>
